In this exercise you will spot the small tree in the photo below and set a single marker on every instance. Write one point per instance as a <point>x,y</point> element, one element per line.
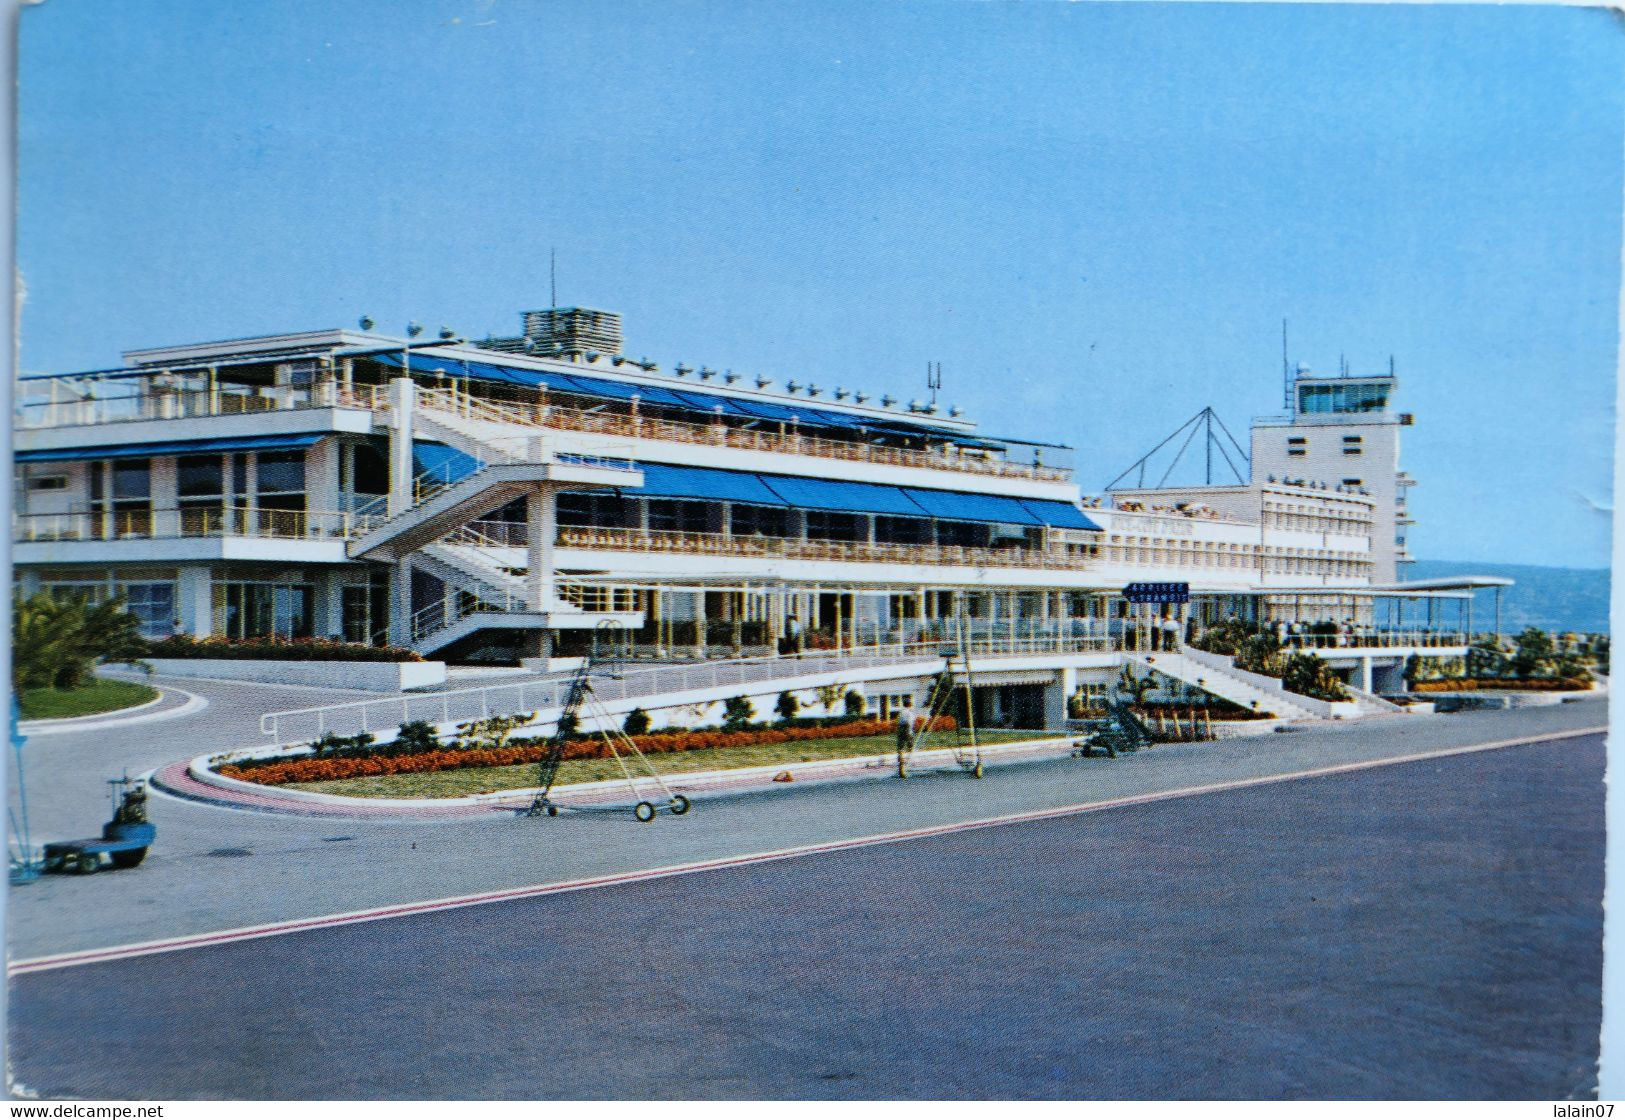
<point>1307,675</point>
<point>737,713</point>
<point>1485,657</point>
<point>787,706</point>
<point>855,703</point>
<point>637,722</point>
<point>1531,648</point>
<point>568,727</point>
<point>830,695</point>
<point>417,737</point>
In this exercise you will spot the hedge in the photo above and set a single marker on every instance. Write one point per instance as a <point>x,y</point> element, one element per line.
<point>1491,684</point>
<point>534,750</point>
<point>276,649</point>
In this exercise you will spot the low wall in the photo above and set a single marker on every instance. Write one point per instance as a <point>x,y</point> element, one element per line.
<point>370,676</point>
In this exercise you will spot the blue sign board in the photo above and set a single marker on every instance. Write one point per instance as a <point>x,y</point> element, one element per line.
<point>1157,592</point>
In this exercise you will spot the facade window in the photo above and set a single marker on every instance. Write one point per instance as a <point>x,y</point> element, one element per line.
<point>963,534</point>
<point>245,609</point>
<point>41,482</point>
<point>827,526</point>
<point>596,511</point>
<point>154,605</point>
<point>902,530</point>
<point>668,516</point>
<point>1297,446</point>
<point>121,492</point>
<point>200,486</point>
<point>1342,398</point>
<point>758,521</point>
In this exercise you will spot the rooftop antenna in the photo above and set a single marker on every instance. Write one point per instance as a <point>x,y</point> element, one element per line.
<point>1390,365</point>
<point>1286,369</point>
<point>933,378</point>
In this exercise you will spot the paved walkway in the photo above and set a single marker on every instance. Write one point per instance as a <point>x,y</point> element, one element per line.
<point>1426,930</point>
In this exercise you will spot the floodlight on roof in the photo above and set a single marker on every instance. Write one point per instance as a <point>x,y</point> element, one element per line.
<point>413,329</point>
<point>367,323</point>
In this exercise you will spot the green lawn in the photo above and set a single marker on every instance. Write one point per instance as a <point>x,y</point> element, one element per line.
<point>97,696</point>
<point>493,779</point>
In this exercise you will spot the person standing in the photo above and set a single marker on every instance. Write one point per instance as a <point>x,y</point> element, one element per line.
<point>905,739</point>
<point>792,634</point>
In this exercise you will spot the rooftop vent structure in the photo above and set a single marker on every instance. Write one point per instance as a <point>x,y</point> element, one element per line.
<point>574,329</point>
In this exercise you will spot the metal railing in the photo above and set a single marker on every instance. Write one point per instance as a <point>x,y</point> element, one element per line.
<point>722,544</point>
<point>538,695</point>
<point>788,440</point>
<point>193,521</point>
<point>155,402</point>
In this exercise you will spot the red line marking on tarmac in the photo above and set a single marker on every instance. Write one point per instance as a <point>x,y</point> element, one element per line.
<point>327,921</point>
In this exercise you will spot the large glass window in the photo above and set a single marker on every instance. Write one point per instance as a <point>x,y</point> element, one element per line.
<point>200,483</point>
<point>596,511</point>
<point>263,610</point>
<point>826,526</point>
<point>1354,397</point>
<point>758,521</point>
<point>902,530</point>
<point>154,605</point>
<point>677,516</point>
<point>280,481</point>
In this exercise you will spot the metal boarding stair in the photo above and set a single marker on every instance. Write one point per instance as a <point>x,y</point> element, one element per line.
<point>1218,675</point>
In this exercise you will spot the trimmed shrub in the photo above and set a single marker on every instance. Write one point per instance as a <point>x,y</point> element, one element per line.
<point>787,706</point>
<point>276,649</point>
<point>856,705</point>
<point>737,713</point>
<point>637,722</point>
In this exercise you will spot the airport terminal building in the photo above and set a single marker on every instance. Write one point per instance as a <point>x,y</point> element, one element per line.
<point>503,499</point>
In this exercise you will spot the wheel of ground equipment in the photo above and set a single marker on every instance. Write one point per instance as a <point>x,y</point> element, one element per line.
<point>552,810</point>
<point>679,804</point>
<point>126,860</point>
<point>88,863</point>
<point>976,771</point>
<point>644,811</point>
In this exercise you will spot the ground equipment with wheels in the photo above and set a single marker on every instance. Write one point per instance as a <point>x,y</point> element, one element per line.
<point>648,790</point>
<point>967,750</point>
<point>1120,732</point>
<point>124,839</point>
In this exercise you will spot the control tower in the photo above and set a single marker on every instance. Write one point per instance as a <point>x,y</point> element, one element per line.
<point>1341,433</point>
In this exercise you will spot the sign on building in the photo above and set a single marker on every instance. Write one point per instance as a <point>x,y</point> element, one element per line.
<point>1157,592</point>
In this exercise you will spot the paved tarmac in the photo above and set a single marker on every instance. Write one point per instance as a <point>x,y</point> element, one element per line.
<point>1424,930</point>
<point>214,868</point>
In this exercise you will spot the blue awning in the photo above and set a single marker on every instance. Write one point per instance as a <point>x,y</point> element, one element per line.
<point>848,497</point>
<point>955,505</point>
<point>1060,515</point>
<point>173,447</point>
<point>443,463</point>
<point>662,481</point>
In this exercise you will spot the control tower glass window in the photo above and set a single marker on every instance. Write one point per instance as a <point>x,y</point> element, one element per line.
<point>1342,398</point>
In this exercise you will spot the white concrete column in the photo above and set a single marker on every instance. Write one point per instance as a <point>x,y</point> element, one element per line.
<point>194,595</point>
<point>540,529</point>
<point>1055,697</point>
<point>400,603</point>
<point>402,400</point>
<point>329,613</point>
<point>322,478</point>
<point>1365,674</point>
<point>164,488</point>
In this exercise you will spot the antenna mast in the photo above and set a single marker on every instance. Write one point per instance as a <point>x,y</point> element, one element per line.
<point>933,378</point>
<point>1286,371</point>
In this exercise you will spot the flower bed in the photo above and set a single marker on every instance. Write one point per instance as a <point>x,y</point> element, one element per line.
<point>534,750</point>
<point>1493,684</point>
<point>275,649</point>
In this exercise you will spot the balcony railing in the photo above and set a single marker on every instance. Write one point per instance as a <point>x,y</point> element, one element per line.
<point>787,440</point>
<point>722,544</point>
<point>186,404</point>
<point>163,524</point>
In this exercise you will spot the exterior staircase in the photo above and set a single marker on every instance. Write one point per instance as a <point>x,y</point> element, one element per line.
<point>1219,675</point>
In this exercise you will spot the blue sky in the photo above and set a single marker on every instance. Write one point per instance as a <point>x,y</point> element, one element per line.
<point>1094,215</point>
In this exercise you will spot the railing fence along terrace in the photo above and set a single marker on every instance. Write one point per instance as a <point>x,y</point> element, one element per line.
<point>611,686</point>
<point>191,521</point>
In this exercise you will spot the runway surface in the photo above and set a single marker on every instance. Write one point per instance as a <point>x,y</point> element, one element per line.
<point>1430,929</point>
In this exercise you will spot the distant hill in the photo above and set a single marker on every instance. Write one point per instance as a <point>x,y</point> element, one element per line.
<point>1550,598</point>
